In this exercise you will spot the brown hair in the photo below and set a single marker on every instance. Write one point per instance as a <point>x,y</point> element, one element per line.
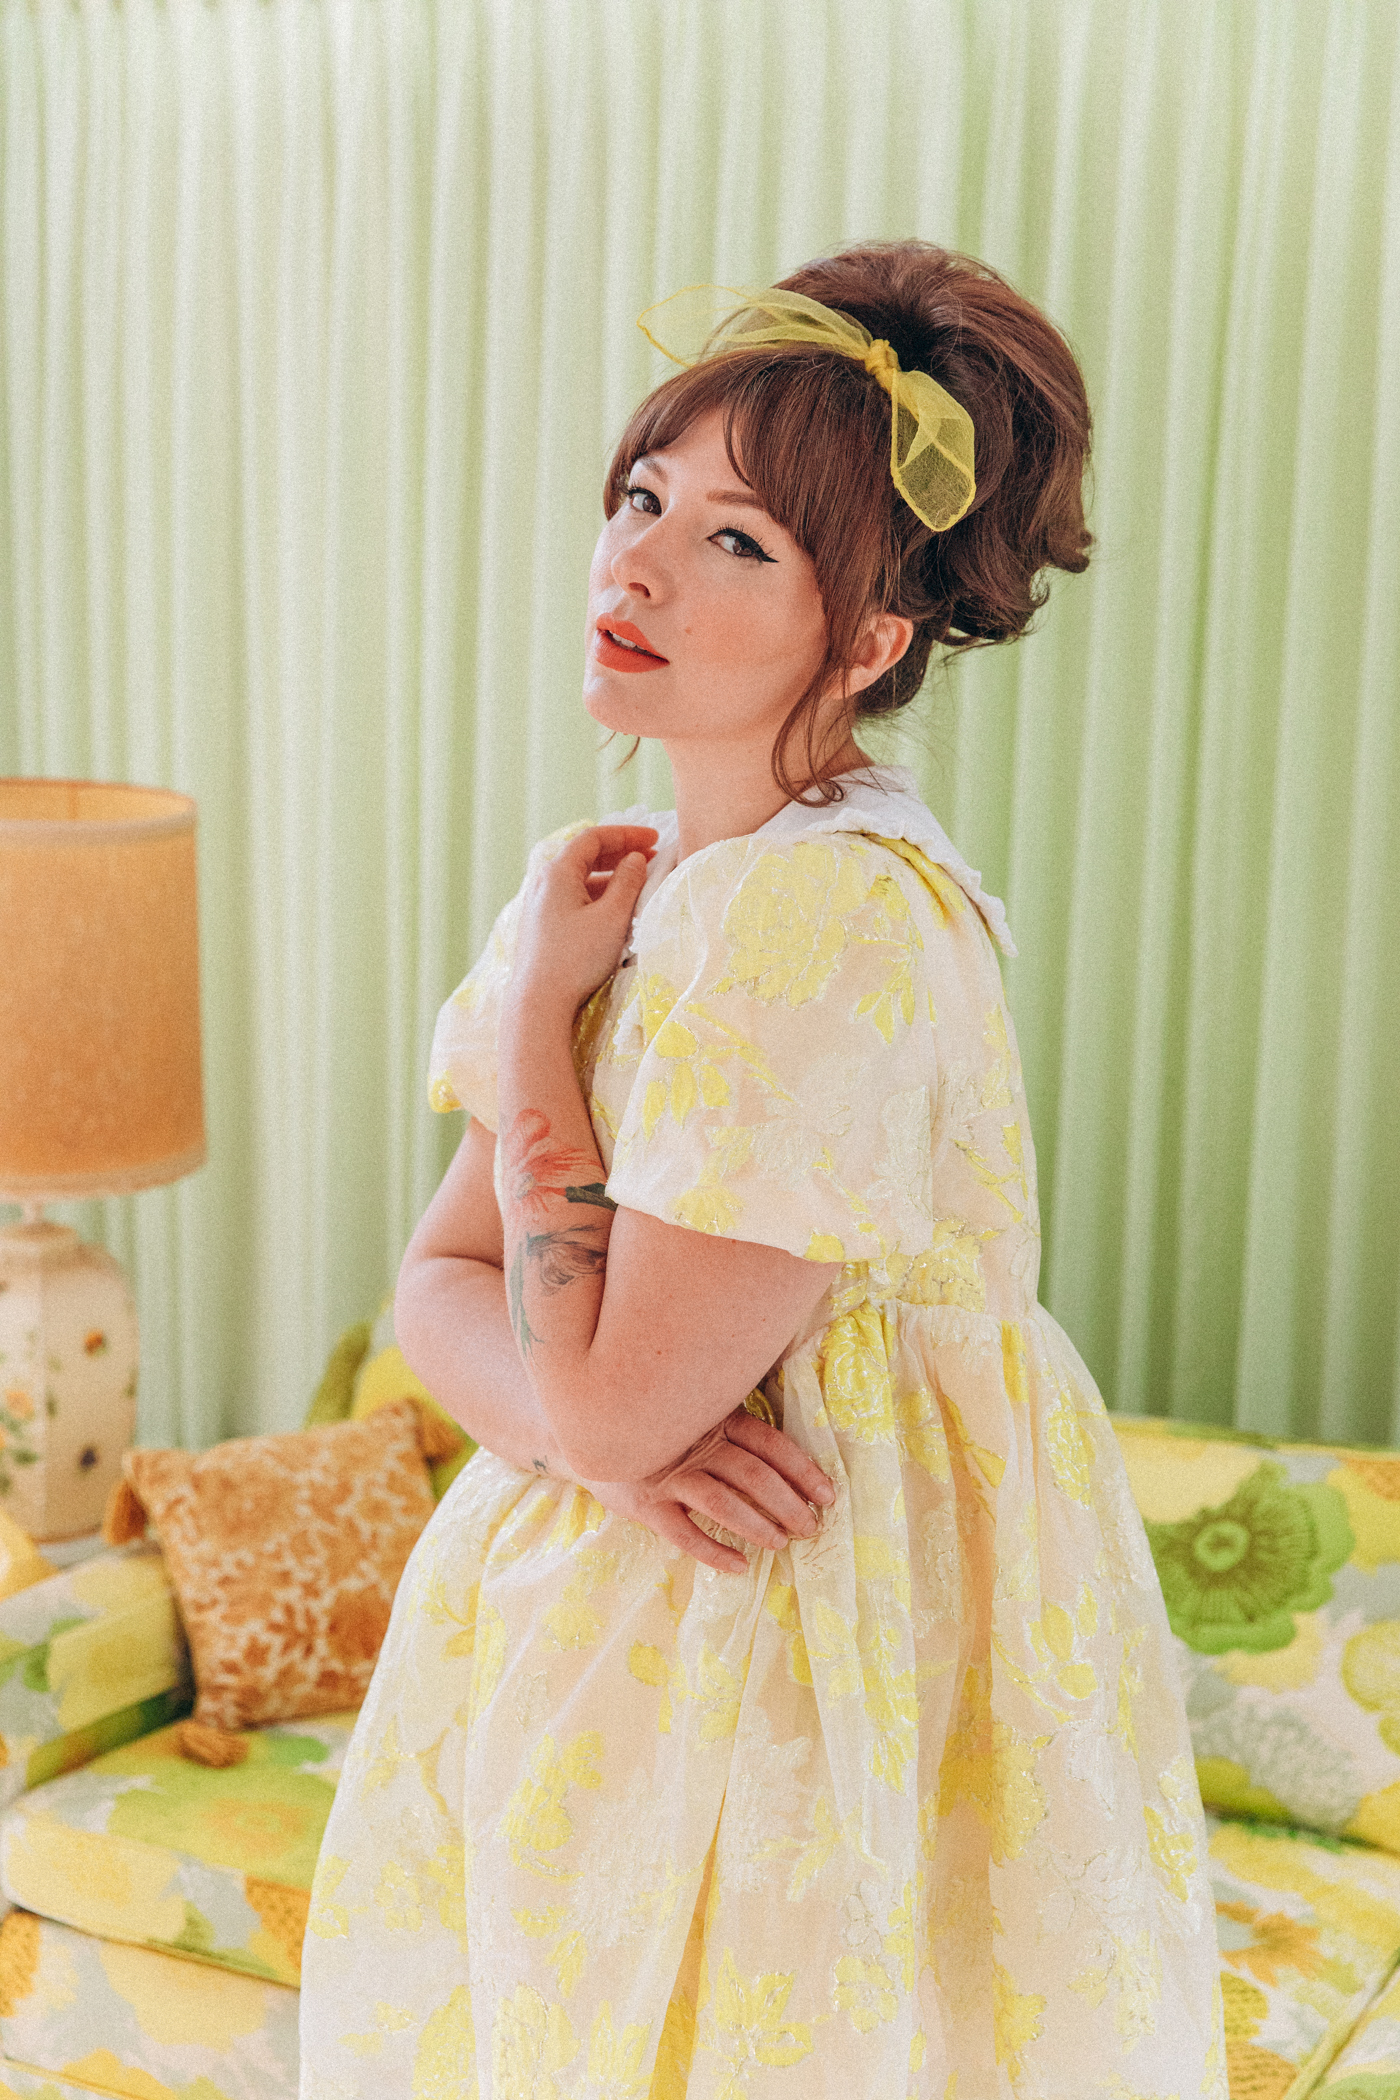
<point>978,583</point>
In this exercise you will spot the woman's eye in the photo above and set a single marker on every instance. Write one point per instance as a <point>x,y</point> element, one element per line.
<point>740,544</point>
<point>645,500</point>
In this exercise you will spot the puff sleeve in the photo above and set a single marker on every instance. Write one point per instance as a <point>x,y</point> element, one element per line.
<point>462,1066</point>
<point>783,1036</point>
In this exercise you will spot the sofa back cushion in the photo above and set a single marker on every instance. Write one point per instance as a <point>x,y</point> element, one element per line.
<point>1280,1567</point>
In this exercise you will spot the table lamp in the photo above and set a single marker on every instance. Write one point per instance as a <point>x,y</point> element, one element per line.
<point>100,1093</point>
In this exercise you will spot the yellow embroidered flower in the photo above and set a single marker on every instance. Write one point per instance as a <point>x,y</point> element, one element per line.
<point>530,2041</point>
<point>749,2025</point>
<point>444,2064</point>
<point>855,1376</point>
<point>397,1898</point>
<point>536,1819</point>
<point>616,2062</point>
<point>948,1272</point>
<point>1015,2019</point>
<point>786,925</point>
<point>863,1991</point>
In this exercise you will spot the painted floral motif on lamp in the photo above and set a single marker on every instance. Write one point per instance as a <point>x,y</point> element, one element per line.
<point>68,1361</point>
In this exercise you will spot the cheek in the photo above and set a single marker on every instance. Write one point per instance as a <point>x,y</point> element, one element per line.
<point>598,567</point>
<point>765,631</point>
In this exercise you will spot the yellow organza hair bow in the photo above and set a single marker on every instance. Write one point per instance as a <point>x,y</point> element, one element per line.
<point>931,438</point>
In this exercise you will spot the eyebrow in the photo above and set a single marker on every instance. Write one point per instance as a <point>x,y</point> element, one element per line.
<point>744,496</point>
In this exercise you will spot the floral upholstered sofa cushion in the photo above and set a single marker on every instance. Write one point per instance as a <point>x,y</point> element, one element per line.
<point>82,2015</point>
<point>146,1848</point>
<point>1280,1567</point>
<point>1309,1934</point>
<point>89,1658</point>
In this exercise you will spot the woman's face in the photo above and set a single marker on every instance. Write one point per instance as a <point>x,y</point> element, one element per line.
<point>704,617</point>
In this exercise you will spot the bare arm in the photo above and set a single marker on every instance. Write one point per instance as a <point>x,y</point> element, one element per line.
<point>451,1319</point>
<point>639,1337</point>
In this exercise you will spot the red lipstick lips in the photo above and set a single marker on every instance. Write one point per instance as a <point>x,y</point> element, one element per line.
<point>611,647</point>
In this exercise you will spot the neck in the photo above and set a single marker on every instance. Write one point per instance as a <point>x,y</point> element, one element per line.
<point>727,793</point>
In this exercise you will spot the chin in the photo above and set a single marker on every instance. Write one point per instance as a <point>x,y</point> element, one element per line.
<point>611,709</point>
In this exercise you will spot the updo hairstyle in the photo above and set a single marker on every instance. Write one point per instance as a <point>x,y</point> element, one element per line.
<point>809,430</point>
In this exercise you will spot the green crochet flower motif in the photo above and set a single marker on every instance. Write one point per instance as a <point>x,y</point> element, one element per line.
<point>1234,1576</point>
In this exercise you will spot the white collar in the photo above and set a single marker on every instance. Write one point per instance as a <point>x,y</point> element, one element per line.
<point>884,800</point>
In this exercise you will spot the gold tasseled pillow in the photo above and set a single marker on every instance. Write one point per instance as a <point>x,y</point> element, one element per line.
<point>284,1553</point>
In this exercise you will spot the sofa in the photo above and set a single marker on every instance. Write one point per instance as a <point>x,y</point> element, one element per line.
<point>155,1908</point>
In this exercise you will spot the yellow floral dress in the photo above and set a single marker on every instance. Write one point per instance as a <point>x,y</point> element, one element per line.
<point>908,1809</point>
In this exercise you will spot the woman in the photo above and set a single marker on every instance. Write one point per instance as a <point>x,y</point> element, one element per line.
<point>875,1779</point>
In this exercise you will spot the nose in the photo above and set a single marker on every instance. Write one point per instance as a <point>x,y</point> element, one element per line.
<point>639,567</point>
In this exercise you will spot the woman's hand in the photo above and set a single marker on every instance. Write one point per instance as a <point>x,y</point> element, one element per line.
<point>576,913</point>
<point>743,1474</point>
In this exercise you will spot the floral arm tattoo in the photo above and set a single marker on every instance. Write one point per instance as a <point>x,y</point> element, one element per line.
<point>538,1176</point>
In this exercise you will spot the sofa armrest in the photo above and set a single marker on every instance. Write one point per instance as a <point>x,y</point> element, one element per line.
<point>89,1658</point>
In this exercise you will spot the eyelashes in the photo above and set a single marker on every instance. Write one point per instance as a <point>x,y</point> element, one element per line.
<point>744,547</point>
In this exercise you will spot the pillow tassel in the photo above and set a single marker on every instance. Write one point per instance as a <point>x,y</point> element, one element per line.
<point>125,1515</point>
<point>439,1437</point>
<point>205,1745</point>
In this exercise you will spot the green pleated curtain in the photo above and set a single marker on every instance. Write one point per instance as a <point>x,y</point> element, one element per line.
<point>316,330</point>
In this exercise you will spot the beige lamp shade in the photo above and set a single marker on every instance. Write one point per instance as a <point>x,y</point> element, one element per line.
<point>100,1086</point>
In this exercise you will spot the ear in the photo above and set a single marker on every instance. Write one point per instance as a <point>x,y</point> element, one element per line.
<point>883,641</point>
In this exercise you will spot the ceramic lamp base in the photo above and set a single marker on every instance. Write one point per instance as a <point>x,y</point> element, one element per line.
<point>68,1358</point>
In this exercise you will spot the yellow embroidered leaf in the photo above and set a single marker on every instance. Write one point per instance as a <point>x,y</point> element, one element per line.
<point>1070,1448</point>
<point>708,1208</point>
<point>920,1432</point>
<point>900,1938</point>
<point>1015,2020</point>
<point>824,1246</point>
<point>444,2063</point>
<point>1013,1363</point>
<point>714,1087</point>
<point>721,1689</point>
<point>649,1666</point>
<point>653,1105</point>
<point>1059,1630</point>
<point>674,1039</point>
<point>862,1990</point>
<point>749,2017</point>
<point>1173,1852</point>
<point>781,1604</point>
<point>839,1647</point>
<point>488,1661</point>
<point>579,1513</point>
<point>656,998</point>
<point>616,2062</point>
<point>530,2040</point>
<point>535,1817</point>
<point>684,1092</point>
<point>567,1961</point>
<point>1077,1679</point>
<point>397,1898</point>
<point>328,1920</point>
<point>853,1367</point>
<point>878,1561</point>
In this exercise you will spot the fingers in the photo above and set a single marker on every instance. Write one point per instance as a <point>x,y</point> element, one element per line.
<point>713,1497</point>
<point>605,845</point>
<point>779,1452</point>
<point>669,1521</point>
<point>766,1489</point>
